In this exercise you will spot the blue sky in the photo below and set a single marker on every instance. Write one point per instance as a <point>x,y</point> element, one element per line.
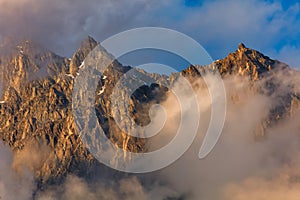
<point>284,40</point>
<point>271,27</point>
<point>193,3</point>
<point>268,26</point>
<point>274,30</point>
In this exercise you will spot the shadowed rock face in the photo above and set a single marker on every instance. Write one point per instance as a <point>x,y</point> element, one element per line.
<point>36,103</point>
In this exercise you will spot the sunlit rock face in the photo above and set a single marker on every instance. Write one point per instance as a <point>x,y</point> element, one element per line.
<point>36,104</point>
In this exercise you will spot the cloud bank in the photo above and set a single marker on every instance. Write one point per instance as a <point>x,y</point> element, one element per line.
<point>218,25</point>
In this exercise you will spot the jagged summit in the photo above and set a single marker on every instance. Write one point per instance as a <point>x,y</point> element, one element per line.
<point>246,61</point>
<point>89,42</point>
<point>41,110</point>
<point>241,46</point>
<point>86,46</point>
<point>191,71</point>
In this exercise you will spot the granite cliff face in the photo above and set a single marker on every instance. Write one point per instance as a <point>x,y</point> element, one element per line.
<point>36,108</point>
<point>36,105</point>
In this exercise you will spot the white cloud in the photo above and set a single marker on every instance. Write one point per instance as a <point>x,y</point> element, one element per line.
<point>290,54</point>
<point>218,25</point>
<point>12,184</point>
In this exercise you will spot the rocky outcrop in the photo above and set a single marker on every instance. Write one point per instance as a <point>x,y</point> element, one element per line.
<point>37,109</point>
<point>36,105</point>
<point>85,48</point>
<point>246,62</point>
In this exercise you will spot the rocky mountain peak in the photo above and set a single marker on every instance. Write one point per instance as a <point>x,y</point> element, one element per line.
<point>241,47</point>
<point>87,45</point>
<point>89,42</point>
<point>34,109</point>
<point>246,61</point>
<point>191,71</point>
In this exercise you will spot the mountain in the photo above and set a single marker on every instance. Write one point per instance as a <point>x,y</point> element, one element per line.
<point>36,105</point>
